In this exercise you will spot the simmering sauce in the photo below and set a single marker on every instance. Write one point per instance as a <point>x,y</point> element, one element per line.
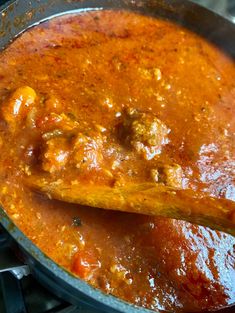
<point>110,98</point>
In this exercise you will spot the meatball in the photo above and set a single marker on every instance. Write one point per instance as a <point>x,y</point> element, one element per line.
<point>83,152</point>
<point>145,133</point>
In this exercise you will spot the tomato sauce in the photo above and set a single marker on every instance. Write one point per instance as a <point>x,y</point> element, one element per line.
<point>112,97</point>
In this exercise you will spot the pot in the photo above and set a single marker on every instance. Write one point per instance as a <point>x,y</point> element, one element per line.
<point>18,15</point>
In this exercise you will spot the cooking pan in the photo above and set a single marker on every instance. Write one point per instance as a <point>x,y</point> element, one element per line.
<point>18,15</point>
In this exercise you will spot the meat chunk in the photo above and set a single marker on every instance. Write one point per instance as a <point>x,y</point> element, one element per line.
<point>171,175</point>
<point>87,151</point>
<point>79,149</point>
<point>145,133</point>
<point>55,154</point>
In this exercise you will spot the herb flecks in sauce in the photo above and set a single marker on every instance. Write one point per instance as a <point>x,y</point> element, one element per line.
<point>112,98</point>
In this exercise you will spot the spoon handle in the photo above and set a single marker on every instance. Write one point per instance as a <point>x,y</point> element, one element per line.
<point>146,198</point>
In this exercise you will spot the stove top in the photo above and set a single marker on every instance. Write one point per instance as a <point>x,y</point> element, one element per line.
<point>19,291</point>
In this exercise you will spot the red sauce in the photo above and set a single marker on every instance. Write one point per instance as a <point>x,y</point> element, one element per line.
<point>116,97</point>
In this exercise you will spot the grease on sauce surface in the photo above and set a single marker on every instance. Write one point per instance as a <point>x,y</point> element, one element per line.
<point>110,98</point>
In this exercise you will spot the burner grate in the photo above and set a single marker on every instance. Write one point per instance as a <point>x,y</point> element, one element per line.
<point>28,296</point>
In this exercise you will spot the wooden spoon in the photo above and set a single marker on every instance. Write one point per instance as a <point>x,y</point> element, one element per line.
<point>146,198</point>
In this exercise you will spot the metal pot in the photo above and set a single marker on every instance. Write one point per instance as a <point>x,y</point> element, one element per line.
<point>18,15</point>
